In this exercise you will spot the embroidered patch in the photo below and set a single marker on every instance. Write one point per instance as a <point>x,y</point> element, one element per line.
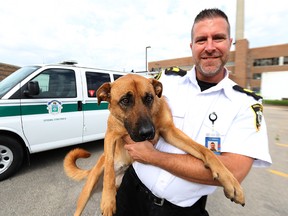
<point>258,110</point>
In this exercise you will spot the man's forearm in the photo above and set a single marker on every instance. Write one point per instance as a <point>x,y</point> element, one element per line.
<point>187,166</point>
<point>184,166</point>
<point>193,169</point>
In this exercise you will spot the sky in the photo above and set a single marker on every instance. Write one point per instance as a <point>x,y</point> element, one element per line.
<point>114,34</point>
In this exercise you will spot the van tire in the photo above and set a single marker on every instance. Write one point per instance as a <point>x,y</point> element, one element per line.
<point>11,156</point>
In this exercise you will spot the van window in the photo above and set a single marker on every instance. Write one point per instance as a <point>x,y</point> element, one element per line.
<point>116,76</point>
<point>56,83</point>
<point>94,81</point>
<point>9,82</point>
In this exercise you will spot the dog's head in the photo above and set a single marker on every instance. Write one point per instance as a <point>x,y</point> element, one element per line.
<point>135,101</point>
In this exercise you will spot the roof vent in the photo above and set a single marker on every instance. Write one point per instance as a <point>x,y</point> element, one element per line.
<point>70,62</point>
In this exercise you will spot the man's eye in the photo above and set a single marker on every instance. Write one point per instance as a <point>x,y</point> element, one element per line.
<point>200,40</point>
<point>218,40</point>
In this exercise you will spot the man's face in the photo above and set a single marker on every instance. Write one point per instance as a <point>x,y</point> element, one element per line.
<point>210,48</point>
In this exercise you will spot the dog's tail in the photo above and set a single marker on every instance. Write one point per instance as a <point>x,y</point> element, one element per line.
<point>70,167</point>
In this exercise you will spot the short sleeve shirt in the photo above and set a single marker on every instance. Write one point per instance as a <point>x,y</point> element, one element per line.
<point>235,124</point>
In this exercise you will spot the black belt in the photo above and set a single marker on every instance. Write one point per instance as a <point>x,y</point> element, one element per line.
<point>156,200</point>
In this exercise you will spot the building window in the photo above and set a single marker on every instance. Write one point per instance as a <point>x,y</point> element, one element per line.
<point>230,64</point>
<point>256,90</point>
<point>285,60</point>
<point>266,62</point>
<point>257,76</point>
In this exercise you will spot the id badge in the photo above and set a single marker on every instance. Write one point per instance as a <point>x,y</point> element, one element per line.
<point>213,143</point>
<point>213,140</point>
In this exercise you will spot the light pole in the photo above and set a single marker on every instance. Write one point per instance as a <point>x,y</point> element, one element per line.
<point>146,64</point>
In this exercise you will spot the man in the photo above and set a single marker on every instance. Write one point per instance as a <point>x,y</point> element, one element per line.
<point>213,147</point>
<point>165,181</point>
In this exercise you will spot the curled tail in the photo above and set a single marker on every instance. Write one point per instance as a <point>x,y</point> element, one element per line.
<point>70,167</point>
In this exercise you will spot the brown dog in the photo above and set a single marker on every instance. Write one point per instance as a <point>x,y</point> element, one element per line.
<point>137,109</point>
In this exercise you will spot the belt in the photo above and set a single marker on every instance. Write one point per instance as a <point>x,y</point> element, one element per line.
<point>200,204</point>
<point>151,197</point>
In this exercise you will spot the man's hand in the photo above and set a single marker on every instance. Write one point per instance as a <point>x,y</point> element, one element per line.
<point>139,151</point>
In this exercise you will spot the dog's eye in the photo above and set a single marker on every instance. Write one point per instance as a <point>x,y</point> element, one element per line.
<point>125,101</point>
<point>148,99</point>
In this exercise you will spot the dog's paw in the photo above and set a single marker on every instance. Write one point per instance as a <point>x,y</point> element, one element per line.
<point>108,211</point>
<point>232,188</point>
<point>108,206</point>
<point>235,194</point>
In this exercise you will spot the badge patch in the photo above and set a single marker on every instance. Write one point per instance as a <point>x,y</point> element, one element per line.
<point>54,107</point>
<point>258,110</point>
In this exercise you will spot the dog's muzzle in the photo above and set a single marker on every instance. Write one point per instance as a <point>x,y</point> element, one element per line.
<point>142,130</point>
<point>147,132</point>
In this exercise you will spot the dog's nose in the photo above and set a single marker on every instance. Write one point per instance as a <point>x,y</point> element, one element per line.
<point>147,132</point>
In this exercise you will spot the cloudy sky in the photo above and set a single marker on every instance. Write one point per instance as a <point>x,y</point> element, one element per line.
<point>114,34</point>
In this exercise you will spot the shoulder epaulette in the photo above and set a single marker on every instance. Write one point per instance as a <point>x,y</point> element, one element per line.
<point>247,91</point>
<point>158,75</point>
<point>175,71</point>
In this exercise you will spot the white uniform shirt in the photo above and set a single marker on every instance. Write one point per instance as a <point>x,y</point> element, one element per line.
<point>190,109</point>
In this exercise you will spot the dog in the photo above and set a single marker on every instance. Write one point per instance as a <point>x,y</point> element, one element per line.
<point>138,110</point>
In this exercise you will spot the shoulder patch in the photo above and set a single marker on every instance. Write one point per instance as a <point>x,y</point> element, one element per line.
<point>258,111</point>
<point>247,91</point>
<point>175,71</point>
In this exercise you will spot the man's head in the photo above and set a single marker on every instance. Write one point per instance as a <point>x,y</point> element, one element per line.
<point>210,44</point>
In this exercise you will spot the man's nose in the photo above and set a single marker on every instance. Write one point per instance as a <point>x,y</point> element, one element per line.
<point>210,46</point>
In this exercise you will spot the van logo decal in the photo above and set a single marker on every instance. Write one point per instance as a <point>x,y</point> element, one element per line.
<point>54,107</point>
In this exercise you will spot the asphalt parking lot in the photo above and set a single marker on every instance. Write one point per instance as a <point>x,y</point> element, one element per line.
<point>43,189</point>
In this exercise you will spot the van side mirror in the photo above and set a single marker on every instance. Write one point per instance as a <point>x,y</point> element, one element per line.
<point>32,88</point>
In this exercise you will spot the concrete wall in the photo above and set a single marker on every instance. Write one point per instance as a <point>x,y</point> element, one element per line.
<point>274,85</point>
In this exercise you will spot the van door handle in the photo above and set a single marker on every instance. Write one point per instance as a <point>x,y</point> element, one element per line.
<point>79,103</point>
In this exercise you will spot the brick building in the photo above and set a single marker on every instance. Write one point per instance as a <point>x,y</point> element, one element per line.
<point>6,70</point>
<point>245,65</point>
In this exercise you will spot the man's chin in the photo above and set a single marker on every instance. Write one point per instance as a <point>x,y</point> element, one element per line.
<point>210,71</point>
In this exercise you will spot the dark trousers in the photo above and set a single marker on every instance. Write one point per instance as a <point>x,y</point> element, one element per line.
<point>135,199</point>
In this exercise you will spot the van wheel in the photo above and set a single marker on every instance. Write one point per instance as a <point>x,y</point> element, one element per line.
<point>11,156</point>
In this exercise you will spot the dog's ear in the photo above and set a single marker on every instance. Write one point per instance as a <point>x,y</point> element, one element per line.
<point>103,92</point>
<point>157,87</point>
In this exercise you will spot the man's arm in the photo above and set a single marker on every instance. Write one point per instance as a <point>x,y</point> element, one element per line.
<point>187,166</point>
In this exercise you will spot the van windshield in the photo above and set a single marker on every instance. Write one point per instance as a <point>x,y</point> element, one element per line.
<point>16,77</point>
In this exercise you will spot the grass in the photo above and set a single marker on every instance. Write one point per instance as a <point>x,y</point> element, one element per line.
<point>276,102</point>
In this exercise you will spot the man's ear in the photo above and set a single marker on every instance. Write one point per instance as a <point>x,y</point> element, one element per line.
<point>103,92</point>
<point>158,88</point>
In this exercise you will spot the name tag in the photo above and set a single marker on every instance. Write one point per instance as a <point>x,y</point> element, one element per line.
<point>213,143</point>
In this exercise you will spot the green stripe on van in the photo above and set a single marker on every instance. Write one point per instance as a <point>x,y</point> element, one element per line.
<point>95,106</point>
<point>42,109</point>
<point>7,111</point>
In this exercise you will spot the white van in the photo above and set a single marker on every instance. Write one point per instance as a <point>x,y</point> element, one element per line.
<point>47,107</point>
